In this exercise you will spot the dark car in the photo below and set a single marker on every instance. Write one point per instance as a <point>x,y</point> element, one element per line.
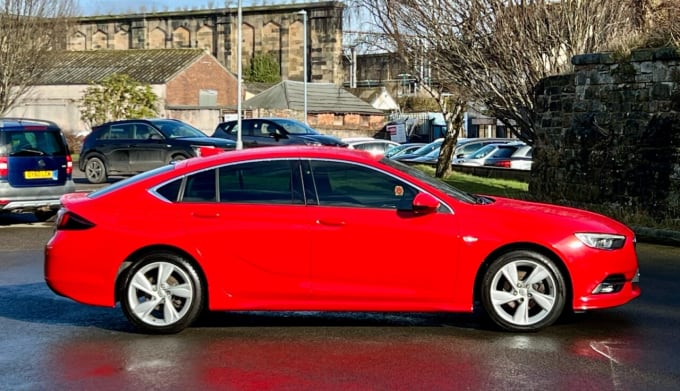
<point>129,147</point>
<point>35,167</point>
<point>265,132</point>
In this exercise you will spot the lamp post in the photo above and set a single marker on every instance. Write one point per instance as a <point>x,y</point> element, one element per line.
<point>304,62</point>
<point>239,55</point>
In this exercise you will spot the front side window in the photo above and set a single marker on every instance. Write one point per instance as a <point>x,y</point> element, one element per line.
<point>345,184</point>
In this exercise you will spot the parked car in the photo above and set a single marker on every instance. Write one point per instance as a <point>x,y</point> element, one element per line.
<point>35,167</point>
<point>267,132</point>
<point>489,154</point>
<point>273,228</point>
<point>402,149</point>
<point>373,145</point>
<point>464,147</point>
<point>425,149</point>
<point>522,159</point>
<point>128,147</point>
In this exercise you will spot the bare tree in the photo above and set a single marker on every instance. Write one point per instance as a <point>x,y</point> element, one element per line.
<point>498,50</point>
<point>29,32</point>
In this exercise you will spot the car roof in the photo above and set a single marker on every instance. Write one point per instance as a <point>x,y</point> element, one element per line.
<point>303,152</point>
<point>19,123</point>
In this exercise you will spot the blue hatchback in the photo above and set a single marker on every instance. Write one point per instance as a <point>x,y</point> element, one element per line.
<point>35,167</point>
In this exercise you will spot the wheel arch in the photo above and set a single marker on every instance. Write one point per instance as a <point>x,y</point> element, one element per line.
<point>82,160</point>
<point>525,246</point>
<point>175,154</point>
<point>140,253</point>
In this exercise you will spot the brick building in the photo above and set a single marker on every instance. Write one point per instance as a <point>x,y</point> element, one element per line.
<point>190,83</point>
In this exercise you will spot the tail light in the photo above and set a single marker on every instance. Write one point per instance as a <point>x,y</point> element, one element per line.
<point>502,163</point>
<point>69,165</point>
<point>4,171</point>
<point>70,221</point>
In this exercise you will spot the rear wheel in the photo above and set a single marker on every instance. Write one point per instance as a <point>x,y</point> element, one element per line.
<point>95,170</point>
<point>523,291</point>
<point>44,215</point>
<point>162,294</point>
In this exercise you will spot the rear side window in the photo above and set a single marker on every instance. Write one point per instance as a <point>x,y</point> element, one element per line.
<point>276,181</point>
<point>36,142</point>
<point>264,182</point>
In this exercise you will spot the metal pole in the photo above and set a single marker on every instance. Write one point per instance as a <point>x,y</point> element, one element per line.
<point>239,55</point>
<point>304,61</point>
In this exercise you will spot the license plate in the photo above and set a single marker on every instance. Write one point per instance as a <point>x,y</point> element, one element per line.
<point>42,174</point>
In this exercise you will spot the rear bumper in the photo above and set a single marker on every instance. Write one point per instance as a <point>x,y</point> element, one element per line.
<point>27,198</point>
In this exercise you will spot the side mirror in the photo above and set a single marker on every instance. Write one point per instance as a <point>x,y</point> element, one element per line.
<point>424,203</point>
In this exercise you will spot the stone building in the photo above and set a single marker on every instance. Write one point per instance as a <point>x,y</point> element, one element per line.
<point>272,29</point>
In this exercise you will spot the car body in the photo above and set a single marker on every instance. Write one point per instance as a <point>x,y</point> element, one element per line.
<point>35,167</point>
<point>402,149</point>
<point>128,147</point>
<point>272,131</point>
<point>278,229</point>
<point>522,158</point>
<point>489,154</point>
<point>374,146</point>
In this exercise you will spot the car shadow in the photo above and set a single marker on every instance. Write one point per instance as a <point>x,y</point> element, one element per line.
<point>36,303</point>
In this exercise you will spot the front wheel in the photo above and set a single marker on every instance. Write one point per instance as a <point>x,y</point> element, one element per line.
<point>95,170</point>
<point>523,291</point>
<point>162,294</point>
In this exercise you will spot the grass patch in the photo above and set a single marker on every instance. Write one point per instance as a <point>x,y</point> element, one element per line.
<point>486,186</point>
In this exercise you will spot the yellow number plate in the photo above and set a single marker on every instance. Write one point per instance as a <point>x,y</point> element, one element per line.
<point>38,174</point>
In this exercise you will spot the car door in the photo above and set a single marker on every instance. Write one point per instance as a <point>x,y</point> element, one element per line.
<point>264,133</point>
<point>148,148</point>
<point>114,143</point>
<point>368,251</point>
<point>251,218</point>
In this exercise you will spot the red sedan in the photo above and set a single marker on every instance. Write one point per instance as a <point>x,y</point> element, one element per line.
<point>295,229</point>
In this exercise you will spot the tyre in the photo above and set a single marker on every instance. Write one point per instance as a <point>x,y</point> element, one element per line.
<point>95,170</point>
<point>44,215</point>
<point>523,291</point>
<point>162,294</point>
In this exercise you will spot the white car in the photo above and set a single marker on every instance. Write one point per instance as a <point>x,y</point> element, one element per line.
<point>522,159</point>
<point>375,146</point>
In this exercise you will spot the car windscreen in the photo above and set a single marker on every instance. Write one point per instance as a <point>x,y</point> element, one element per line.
<point>294,127</point>
<point>175,129</point>
<point>425,149</point>
<point>129,180</point>
<point>432,181</point>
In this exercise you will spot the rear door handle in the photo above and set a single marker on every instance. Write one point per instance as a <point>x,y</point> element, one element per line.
<point>337,223</point>
<point>205,215</point>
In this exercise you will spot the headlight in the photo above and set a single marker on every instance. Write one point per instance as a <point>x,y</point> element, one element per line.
<point>602,241</point>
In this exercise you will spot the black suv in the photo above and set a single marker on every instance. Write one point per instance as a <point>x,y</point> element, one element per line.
<point>35,167</point>
<point>264,132</point>
<point>128,147</point>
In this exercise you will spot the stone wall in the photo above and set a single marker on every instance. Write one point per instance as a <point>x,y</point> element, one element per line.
<point>610,134</point>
